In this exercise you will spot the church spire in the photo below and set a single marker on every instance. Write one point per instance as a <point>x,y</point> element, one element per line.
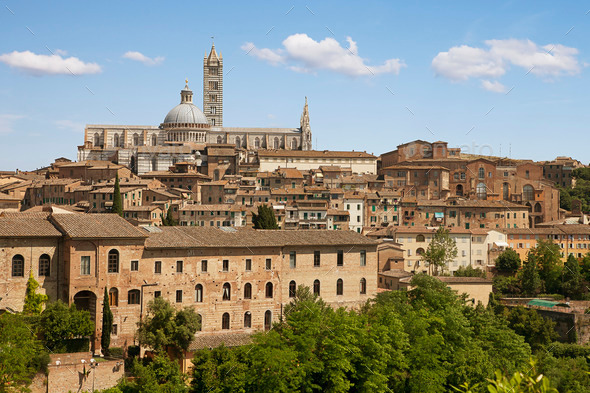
<point>305,128</point>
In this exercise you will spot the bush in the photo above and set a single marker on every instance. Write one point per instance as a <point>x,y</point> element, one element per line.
<point>116,352</point>
<point>506,286</point>
<point>554,296</point>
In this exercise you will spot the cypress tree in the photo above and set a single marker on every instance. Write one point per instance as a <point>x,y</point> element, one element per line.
<point>117,202</point>
<point>107,324</point>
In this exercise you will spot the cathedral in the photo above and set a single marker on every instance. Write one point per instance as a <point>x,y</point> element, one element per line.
<point>186,131</point>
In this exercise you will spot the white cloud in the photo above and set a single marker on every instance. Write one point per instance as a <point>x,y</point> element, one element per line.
<point>463,62</point>
<point>494,86</point>
<point>34,64</point>
<point>138,56</point>
<point>7,123</point>
<point>70,125</point>
<point>302,53</point>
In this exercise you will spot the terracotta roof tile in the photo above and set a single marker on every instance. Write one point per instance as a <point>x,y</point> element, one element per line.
<point>87,226</point>
<point>26,225</point>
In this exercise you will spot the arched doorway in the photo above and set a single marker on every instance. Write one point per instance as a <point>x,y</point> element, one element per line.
<point>86,300</point>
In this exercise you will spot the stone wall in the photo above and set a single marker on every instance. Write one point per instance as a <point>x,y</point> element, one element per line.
<point>73,375</point>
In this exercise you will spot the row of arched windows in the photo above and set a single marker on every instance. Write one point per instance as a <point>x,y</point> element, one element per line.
<point>225,320</point>
<point>133,297</point>
<point>316,287</point>
<point>18,265</point>
<point>119,141</point>
<point>276,142</point>
<point>226,291</point>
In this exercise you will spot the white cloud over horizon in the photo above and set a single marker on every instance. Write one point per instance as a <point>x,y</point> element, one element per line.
<point>138,56</point>
<point>55,64</point>
<point>464,62</point>
<point>301,53</point>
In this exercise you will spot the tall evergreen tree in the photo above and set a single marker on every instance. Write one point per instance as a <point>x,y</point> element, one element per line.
<point>107,324</point>
<point>33,301</point>
<point>117,202</point>
<point>265,219</point>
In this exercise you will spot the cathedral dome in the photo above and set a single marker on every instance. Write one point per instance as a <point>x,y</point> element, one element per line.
<point>185,113</point>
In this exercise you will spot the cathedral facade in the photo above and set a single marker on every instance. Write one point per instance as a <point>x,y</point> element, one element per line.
<point>187,130</point>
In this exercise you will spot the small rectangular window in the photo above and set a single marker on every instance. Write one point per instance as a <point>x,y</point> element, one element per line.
<point>248,265</point>
<point>179,296</point>
<point>268,264</point>
<point>157,293</point>
<point>158,267</point>
<point>85,266</point>
<point>363,258</point>
<point>204,265</point>
<point>225,265</point>
<point>340,258</point>
<point>114,329</point>
<point>179,266</point>
<point>316,258</point>
<point>293,259</point>
<point>134,266</point>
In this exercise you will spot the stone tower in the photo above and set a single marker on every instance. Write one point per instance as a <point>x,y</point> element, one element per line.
<point>305,129</point>
<point>213,87</point>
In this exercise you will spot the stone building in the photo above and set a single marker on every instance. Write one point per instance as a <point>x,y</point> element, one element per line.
<point>237,280</point>
<point>186,132</point>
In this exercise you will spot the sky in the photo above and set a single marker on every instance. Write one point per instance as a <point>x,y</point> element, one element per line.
<point>494,78</point>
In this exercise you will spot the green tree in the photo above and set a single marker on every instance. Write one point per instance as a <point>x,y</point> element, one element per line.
<point>469,271</point>
<point>547,256</point>
<point>159,375</point>
<point>537,330</point>
<point>61,324</point>
<point>33,301</point>
<point>21,354</point>
<point>265,219</point>
<point>165,328</point>
<point>441,250</point>
<point>117,201</point>
<point>572,279</point>
<point>107,324</point>
<point>219,370</point>
<point>168,220</point>
<point>508,261</point>
<point>530,281</point>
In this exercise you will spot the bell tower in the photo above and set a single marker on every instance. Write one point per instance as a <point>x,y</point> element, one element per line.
<point>305,128</point>
<point>213,87</point>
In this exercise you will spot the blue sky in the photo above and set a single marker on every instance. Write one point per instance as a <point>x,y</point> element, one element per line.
<point>501,78</point>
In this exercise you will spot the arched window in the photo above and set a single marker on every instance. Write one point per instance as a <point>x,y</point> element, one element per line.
<point>135,139</point>
<point>154,139</point>
<point>363,286</point>
<point>154,164</point>
<point>257,143</point>
<point>116,140</point>
<point>113,261</point>
<point>199,293</point>
<point>96,140</point>
<point>219,139</point>
<point>247,319</point>
<point>294,144</point>
<point>339,287</point>
<point>505,191</point>
<point>528,193</point>
<point>248,291</point>
<point>226,291</point>
<point>538,208</point>
<point>44,265</point>
<point>269,290</point>
<point>420,239</point>
<point>316,287</point>
<point>238,142</point>
<point>276,143</point>
<point>133,296</point>
<point>267,320</point>
<point>420,251</point>
<point>113,297</point>
<point>225,321</point>
<point>481,191</point>
<point>292,289</point>
<point>18,266</point>
<point>481,173</point>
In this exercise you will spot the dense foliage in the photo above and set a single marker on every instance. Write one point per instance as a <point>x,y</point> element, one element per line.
<point>508,261</point>
<point>60,325</point>
<point>265,219</point>
<point>469,271</point>
<point>441,250</point>
<point>33,301</point>
<point>166,328</point>
<point>168,219</point>
<point>580,191</point>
